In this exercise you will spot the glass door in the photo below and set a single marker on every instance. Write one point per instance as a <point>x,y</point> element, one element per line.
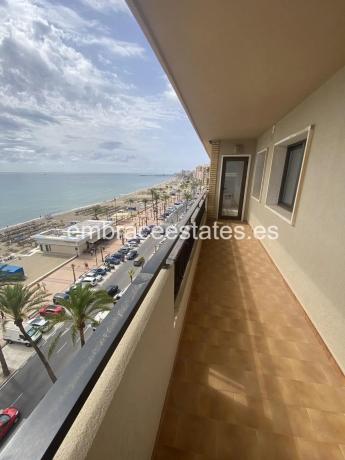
<point>232,187</point>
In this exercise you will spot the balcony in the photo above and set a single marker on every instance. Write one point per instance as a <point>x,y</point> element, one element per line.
<point>252,379</point>
<point>248,376</point>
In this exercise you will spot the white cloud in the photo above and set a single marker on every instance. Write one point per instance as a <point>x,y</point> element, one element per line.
<point>106,5</point>
<point>170,93</point>
<point>61,95</point>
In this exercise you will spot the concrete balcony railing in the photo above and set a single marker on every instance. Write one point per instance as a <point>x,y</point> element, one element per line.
<point>110,397</point>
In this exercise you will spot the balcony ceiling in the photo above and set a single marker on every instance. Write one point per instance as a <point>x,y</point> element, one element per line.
<point>238,66</point>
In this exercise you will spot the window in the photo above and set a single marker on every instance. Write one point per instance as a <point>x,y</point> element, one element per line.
<point>4,418</point>
<point>260,162</point>
<point>291,173</point>
<point>285,184</point>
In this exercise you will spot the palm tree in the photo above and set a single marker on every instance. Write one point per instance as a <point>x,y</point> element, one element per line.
<point>81,306</point>
<point>131,273</point>
<point>130,202</point>
<point>145,201</point>
<point>165,197</point>
<point>5,279</point>
<point>155,198</point>
<point>17,302</point>
<point>187,196</point>
<point>3,363</point>
<point>96,211</point>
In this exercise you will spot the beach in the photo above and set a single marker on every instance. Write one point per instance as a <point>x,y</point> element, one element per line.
<point>17,239</point>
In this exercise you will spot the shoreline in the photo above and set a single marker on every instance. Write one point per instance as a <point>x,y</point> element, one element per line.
<point>51,216</point>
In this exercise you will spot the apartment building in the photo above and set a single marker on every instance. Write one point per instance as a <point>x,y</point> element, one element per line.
<point>202,174</point>
<point>226,348</point>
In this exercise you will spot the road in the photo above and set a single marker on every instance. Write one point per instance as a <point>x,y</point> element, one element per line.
<point>27,386</point>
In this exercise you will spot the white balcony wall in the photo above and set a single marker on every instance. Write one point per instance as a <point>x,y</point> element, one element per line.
<point>121,417</point>
<point>311,253</point>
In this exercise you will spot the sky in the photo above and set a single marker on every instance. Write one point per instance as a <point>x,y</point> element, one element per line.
<point>81,90</point>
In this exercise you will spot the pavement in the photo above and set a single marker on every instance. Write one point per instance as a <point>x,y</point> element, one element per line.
<point>37,264</point>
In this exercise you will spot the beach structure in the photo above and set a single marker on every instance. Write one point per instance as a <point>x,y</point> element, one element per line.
<point>74,239</point>
<point>9,271</point>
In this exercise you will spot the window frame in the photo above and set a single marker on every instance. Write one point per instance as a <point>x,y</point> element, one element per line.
<point>289,150</point>
<point>265,153</point>
<point>277,164</point>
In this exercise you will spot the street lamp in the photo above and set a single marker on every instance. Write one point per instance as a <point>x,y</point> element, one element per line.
<point>102,249</point>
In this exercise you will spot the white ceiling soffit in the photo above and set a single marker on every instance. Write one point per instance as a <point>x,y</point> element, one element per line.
<point>238,66</point>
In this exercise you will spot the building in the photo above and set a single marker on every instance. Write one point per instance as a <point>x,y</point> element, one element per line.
<point>75,239</point>
<point>229,348</point>
<point>202,174</point>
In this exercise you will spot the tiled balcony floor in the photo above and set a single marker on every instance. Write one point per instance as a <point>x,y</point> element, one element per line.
<point>252,380</point>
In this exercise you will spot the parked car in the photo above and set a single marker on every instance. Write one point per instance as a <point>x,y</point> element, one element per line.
<point>101,315</point>
<point>132,254</point>
<point>123,250</point>
<point>51,310</point>
<point>40,323</point>
<point>92,280</point>
<point>60,296</point>
<point>99,278</point>
<point>139,261</point>
<point>98,271</point>
<point>92,274</point>
<point>8,418</point>
<point>112,261</point>
<point>134,240</point>
<point>112,290</point>
<point>12,334</point>
<point>106,268</point>
<point>120,294</point>
<point>120,253</point>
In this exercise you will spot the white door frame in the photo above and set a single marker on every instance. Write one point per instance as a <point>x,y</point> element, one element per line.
<point>220,173</point>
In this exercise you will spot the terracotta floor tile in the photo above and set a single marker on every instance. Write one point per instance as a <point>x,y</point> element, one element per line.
<point>252,379</point>
<point>329,427</point>
<point>171,453</point>
<point>236,442</point>
<point>196,434</point>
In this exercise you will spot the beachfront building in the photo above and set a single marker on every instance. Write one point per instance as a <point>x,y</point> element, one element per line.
<point>202,174</point>
<point>75,239</point>
<point>229,348</point>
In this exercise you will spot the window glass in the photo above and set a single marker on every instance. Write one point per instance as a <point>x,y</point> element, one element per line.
<point>292,170</point>
<point>4,419</point>
<point>258,174</point>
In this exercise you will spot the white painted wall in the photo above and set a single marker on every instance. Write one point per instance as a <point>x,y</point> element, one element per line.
<point>311,254</point>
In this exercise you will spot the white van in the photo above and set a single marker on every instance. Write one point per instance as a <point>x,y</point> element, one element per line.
<point>12,334</point>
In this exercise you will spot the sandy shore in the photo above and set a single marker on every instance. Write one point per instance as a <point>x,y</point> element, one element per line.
<point>8,235</point>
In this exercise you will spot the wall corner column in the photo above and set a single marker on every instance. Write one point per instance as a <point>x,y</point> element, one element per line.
<point>212,195</point>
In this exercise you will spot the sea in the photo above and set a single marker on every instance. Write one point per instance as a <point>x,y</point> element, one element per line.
<point>26,196</point>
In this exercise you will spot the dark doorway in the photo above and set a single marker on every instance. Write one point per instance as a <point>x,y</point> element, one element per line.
<point>232,187</point>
